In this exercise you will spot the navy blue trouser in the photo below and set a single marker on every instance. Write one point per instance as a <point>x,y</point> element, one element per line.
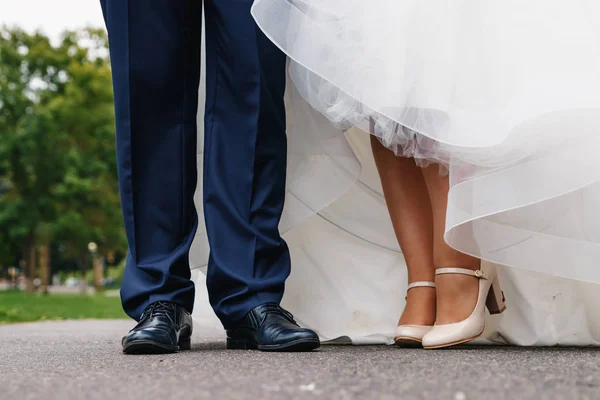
<point>155,53</point>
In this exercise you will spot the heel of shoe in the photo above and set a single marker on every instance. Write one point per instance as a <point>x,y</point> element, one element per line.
<point>185,343</point>
<point>239,344</point>
<point>496,303</point>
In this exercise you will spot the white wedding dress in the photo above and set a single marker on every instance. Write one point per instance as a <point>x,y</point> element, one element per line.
<point>505,94</point>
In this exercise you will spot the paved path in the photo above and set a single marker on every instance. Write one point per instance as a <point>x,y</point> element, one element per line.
<point>82,360</point>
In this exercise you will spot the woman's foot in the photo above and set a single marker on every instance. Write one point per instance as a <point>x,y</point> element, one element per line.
<point>418,316</point>
<point>420,307</point>
<point>456,297</point>
<point>461,307</point>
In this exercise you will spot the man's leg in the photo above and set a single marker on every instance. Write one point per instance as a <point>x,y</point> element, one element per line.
<point>155,53</point>
<point>244,162</point>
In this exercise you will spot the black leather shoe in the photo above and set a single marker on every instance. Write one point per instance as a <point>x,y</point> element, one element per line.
<point>269,327</point>
<point>165,327</point>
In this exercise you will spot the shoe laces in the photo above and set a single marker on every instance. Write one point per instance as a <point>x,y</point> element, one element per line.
<point>275,308</point>
<point>159,308</point>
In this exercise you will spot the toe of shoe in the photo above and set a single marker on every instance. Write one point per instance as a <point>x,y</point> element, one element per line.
<point>154,335</point>
<point>297,335</point>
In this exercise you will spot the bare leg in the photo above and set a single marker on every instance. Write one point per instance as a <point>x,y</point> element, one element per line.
<point>456,294</point>
<point>410,210</point>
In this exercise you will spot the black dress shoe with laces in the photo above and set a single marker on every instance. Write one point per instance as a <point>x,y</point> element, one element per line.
<point>164,327</point>
<point>269,327</point>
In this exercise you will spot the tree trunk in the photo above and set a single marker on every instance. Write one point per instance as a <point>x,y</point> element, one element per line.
<point>83,282</point>
<point>98,273</point>
<point>30,266</point>
<point>44,251</point>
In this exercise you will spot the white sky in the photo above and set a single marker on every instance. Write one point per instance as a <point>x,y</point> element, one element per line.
<point>51,16</point>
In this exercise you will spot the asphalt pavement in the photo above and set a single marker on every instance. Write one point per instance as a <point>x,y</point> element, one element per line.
<point>83,360</point>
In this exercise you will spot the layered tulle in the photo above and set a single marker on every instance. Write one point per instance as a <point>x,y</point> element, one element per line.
<point>348,277</point>
<point>506,95</point>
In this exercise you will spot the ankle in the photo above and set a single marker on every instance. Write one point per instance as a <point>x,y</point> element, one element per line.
<point>456,297</point>
<point>420,307</point>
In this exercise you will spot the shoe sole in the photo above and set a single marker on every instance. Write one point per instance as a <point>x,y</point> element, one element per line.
<point>442,346</point>
<point>152,347</point>
<point>301,345</point>
<point>407,342</point>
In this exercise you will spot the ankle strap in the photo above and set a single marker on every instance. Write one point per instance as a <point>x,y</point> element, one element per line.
<point>421,284</point>
<point>477,273</point>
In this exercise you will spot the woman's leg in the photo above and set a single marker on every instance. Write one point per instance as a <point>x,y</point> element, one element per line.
<point>456,294</point>
<point>410,210</point>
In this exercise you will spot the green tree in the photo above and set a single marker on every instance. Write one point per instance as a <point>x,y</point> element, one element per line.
<point>57,146</point>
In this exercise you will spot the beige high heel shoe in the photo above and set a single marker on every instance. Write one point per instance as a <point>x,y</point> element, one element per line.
<point>490,295</point>
<point>412,335</point>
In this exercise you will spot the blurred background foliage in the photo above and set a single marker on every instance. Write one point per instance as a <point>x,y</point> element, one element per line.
<point>60,214</point>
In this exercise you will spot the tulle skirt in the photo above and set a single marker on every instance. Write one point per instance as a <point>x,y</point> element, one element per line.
<point>505,95</point>
<point>349,276</point>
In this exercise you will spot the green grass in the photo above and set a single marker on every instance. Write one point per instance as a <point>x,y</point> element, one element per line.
<point>26,307</point>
